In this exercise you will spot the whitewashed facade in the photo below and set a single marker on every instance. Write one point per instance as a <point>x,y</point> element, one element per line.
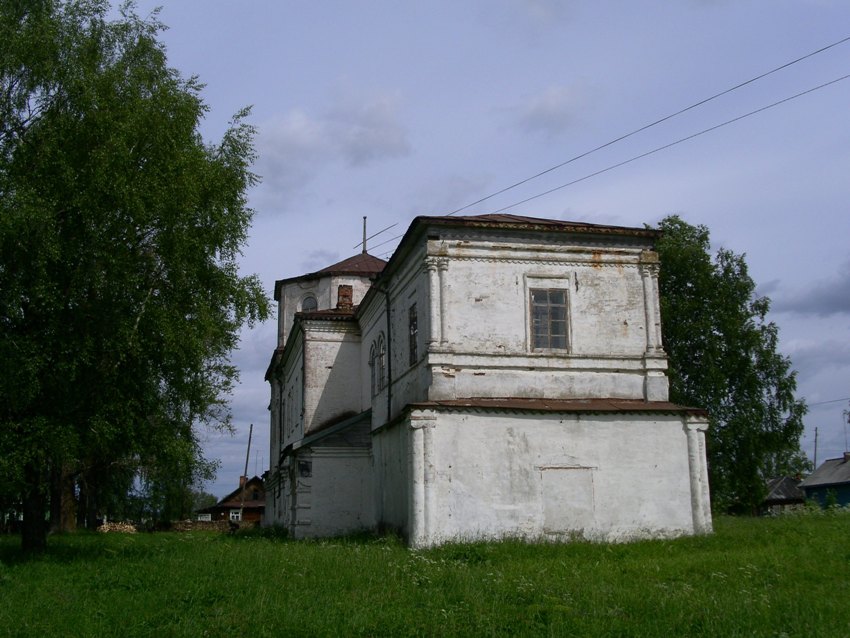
<point>499,376</point>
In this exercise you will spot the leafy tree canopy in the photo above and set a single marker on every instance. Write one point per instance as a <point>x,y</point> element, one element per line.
<point>723,357</point>
<point>120,228</point>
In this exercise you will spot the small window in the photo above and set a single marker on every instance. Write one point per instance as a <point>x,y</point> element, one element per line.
<point>235,515</point>
<point>413,335</point>
<point>309,304</point>
<point>548,319</point>
<point>305,469</point>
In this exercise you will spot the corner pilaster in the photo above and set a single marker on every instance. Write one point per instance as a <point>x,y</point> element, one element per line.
<point>695,428</point>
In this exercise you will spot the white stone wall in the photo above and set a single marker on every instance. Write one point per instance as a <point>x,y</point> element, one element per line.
<point>332,372</point>
<point>391,457</point>
<point>341,493</point>
<point>292,406</point>
<point>556,476</point>
<point>481,343</point>
<point>373,324</point>
<point>324,289</point>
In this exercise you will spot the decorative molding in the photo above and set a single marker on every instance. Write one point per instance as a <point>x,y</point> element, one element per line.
<point>548,261</point>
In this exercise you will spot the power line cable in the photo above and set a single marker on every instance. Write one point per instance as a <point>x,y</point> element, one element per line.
<point>383,230</point>
<point>642,155</point>
<point>830,401</point>
<point>647,126</point>
<point>666,146</point>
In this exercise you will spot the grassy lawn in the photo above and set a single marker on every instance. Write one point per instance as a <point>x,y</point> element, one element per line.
<point>787,576</point>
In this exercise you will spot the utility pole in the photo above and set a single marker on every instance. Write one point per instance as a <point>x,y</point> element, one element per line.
<point>816,447</point>
<point>245,473</point>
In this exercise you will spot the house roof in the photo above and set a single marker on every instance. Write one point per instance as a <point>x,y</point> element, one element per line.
<point>360,265</point>
<point>521,222</point>
<point>563,405</point>
<point>832,472</point>
<point>331,314</point>
<point>783,489</point>
<point>233,499</point>
<point>518,223</point>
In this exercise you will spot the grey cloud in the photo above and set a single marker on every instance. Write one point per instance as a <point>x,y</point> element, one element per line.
<point>552,111</point>
<point>447,194</point>
<point>318,259</point>
<point>369,131</point>
<point>768,288</point>
<point>815,357</point>
<point>543,12</point>
<point>294,148</point>
<point>255,347</point>
<point>824,298</point>
<point>291,150</point>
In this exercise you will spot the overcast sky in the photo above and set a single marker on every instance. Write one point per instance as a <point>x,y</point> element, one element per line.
<point>395,109</point>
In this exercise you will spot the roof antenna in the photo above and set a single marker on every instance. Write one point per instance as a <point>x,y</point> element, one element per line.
<point>364,234</point>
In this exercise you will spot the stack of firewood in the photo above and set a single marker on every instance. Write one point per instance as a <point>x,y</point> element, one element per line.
<point>127,528</point>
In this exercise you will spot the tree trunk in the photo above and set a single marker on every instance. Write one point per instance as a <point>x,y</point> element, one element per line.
<point>34,526</point>
<point>63,506</point>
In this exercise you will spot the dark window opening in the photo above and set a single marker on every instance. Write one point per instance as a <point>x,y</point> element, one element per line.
<point>305,469</point>
<point>309,304</point>
<point>413,335</point>
<point>548,319</point>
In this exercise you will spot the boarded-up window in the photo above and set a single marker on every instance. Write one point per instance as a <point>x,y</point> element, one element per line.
<point>567,499</point>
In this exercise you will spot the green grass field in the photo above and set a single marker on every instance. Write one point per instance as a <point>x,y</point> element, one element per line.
<point>787,576</point>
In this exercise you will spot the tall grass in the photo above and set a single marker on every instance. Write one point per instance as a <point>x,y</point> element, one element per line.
<point>788,576</point>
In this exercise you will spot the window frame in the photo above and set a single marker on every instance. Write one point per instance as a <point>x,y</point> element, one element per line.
<point>378,365</point>
<point>560,283</point>
<point>314,307</point>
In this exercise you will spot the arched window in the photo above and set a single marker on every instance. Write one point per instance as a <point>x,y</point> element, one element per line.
<point>372,369</point>
<point>382,363</point>
<point>378,365</point>
<point>309,304</point>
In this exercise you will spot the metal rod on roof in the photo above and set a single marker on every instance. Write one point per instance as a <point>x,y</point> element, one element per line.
<point>364,234</point>
<point>383,230</point>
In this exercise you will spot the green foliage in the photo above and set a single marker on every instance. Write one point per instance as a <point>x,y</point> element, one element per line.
<point>120,298</point>
<point>753,577</point>
<point>723,357</point>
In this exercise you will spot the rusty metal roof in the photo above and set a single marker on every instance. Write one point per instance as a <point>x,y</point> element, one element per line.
<point>521,222</point>
<point>331,314</point>
<point>360,265</point>
<point>563,405</point>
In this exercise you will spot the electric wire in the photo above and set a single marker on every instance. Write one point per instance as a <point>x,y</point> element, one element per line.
<point>830,401</point>
<point>646,154</point>
<point>383,230</point>
<point>671,144</point>
<point>639,130</point>
<point>647,126</point>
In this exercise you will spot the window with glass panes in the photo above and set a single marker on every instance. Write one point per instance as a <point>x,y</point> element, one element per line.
<point>548,319</point>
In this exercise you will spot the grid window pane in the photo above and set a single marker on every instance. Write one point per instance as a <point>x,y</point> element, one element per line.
<point>548,319</point>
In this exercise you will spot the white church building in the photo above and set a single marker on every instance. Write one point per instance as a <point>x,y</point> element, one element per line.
<point>501,376</point>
